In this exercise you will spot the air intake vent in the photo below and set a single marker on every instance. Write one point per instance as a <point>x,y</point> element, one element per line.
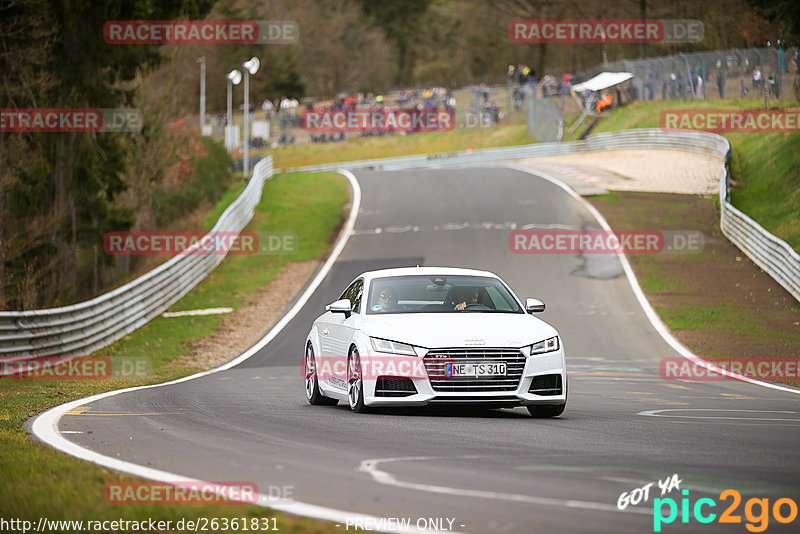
<point>546,385</point>
<point>389,386</point>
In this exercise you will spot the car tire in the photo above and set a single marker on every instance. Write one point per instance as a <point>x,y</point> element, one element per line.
<point>313,394</point>
<point>549,410</point>
<point>546,410</point>
<point>355,383</point>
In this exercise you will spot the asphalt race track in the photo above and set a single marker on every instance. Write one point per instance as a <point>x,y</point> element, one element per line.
<point>489,471</point>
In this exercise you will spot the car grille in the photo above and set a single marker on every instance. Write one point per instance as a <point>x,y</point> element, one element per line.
<point>436,360</point>
<point>546,385</point>
<point>389,386</point>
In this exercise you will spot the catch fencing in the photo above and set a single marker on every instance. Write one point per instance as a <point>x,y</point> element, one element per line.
<point>724,73</point>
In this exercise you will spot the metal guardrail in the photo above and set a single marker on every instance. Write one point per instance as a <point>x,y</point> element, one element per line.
<point>643,138</point>
<point>773,255</point>
<point>85,327</point>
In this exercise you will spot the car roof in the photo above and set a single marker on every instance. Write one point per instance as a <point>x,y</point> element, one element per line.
<point>426,271</point>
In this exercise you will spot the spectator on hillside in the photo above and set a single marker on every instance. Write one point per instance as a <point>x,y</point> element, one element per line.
<point>650,84</point>
<point>524,73</point>
<point>721,83</point>
<point>267,107</point>
<point>450,101</point>
<point>519,98</point>
<point>757,78</point>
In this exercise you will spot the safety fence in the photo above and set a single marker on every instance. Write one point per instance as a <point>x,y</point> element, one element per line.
<point>722,73</point>
<point>85,327</point>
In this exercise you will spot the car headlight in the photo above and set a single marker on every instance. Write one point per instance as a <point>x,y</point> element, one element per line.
<point>392,347</point>
<point>548,345</point>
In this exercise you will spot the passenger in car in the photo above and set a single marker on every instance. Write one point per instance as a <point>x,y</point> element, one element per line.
<point>386,301</point>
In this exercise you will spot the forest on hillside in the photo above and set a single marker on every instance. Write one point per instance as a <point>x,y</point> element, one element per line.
<point>60,192</point>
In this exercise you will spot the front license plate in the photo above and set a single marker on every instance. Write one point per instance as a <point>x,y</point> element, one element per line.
<point>476,369</point>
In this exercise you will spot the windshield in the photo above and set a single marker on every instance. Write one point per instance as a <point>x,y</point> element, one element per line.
<point>440,294</point>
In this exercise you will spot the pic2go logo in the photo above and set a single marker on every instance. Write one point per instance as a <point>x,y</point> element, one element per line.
<point>758,521</point>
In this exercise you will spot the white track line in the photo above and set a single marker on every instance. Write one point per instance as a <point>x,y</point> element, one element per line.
<point>651,314</point>
<point>45,426</point>
<point>657,413</point>
<point>383,477</point>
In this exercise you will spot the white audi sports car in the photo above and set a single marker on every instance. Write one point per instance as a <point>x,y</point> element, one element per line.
<point>422,335</point>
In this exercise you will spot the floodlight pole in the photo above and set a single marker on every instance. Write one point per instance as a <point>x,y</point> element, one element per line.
<point>230,103</point>
<point>250,67</point>
<point>246,174</point>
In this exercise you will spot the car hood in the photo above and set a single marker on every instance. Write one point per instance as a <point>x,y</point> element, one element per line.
<point>440,330</point>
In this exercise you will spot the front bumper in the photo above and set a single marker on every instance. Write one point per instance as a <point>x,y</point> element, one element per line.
<point>543,380</point>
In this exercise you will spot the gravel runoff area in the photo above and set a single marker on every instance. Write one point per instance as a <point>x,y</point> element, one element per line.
<point>644,170</point>
<point>242,328</point>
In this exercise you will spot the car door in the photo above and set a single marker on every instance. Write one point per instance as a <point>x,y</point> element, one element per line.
<point>338,332</point>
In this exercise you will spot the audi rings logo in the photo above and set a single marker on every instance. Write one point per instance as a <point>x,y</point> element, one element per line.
<point>474,342</point>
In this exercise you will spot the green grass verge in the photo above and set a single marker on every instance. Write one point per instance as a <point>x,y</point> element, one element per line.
<point>720,317</point>
<point>38,481</point>
<point>765,167</point>
<point>399,145</point>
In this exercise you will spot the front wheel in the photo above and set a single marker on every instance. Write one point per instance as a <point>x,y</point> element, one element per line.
<point>313,394</point>
<point>355,383</point>
<point>546,410</point>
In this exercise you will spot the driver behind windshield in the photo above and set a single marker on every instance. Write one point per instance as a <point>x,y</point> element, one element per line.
<point>465,298</point>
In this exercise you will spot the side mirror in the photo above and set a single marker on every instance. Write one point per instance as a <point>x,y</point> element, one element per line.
<point>340,306</point>
<point>534,305</point>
